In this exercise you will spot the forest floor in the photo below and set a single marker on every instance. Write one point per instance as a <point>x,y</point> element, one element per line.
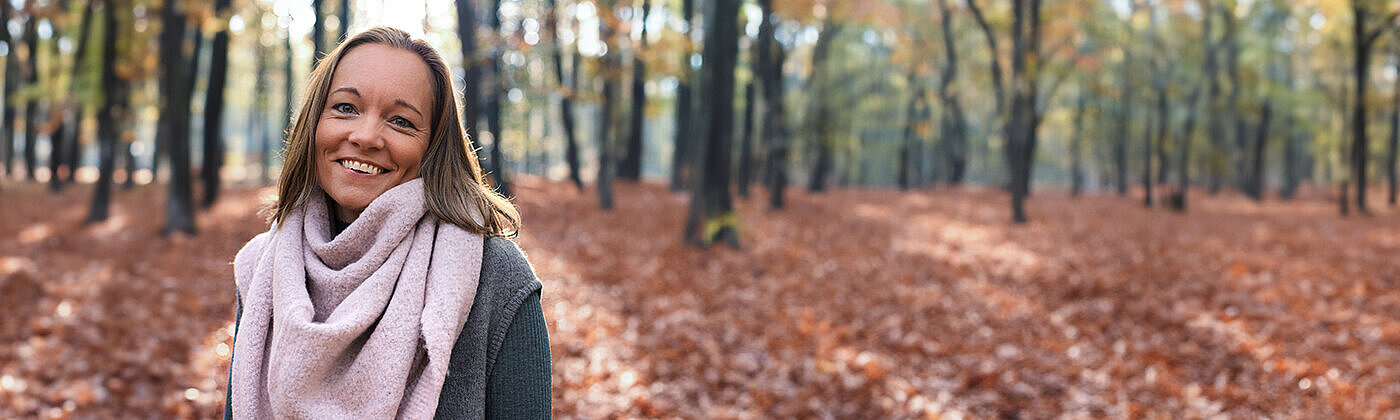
<point>850,304</point>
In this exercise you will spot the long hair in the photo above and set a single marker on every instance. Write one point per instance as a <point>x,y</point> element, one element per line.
<point>452,180</point>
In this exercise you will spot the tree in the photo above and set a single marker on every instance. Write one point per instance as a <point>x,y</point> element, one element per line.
<point>630,166</point>
<point>819,120</point>
<point>72,149</point>
<point>214,108</point>
<point>7,138</point>
<point>498,87</point>
<point>110,113</point>
<point>953,123</point>
<point>711,215</point>
<point>318,32</point>
<point>31,78</point>
<point>775,125</point>
<point>466,33</point>
<point>566,102</point>
<point>680,162</point>
<point>610,68</point>
<point>177,71</point>
<point>1363,39</point>
<point>1024,115</point>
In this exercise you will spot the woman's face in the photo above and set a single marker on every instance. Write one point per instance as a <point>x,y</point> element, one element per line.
<point>375,126</point>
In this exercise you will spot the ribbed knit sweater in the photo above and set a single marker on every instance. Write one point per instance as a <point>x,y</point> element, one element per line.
<point>500,365</point>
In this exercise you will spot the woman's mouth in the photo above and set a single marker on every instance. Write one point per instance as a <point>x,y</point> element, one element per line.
<point>361,167</point>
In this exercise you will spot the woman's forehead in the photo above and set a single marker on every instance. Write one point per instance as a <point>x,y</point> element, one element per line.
<point>384,72</point>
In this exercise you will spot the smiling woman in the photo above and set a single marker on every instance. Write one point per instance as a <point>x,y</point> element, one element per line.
<point>386,285</point>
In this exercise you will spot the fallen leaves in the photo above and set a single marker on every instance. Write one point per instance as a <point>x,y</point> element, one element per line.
<point>848,304</point>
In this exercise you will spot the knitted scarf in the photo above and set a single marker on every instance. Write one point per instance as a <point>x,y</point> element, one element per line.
<point>359,325</point>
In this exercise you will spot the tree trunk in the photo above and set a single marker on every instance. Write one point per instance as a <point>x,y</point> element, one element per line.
<point>493,106</point>
<point>7,149</point>
<point>31,104</point>
<point>1239,164</point>
<point>1163,126</point>
<point>1021,131</point>
<point>1362,70</point>
<point>318,32</point>
<point>953,124</point>
<point>566,102</point>
<point>910,134</point>
<point>1390,150</point>
<point>344,15</point>
<point>775,125</point>
<point>109,113</point>
<point>174,118</point>
<point>1076,165</point>
<point>680,161</point>
<point>72,149</point>
<point>819,121</point>
<point>1256,167</point>
<point>631,167</point>
<point>1125,117</point>
<point>712,216</point>
<point>611,63</point>
<point>214,110</point>
<point>746,142</point>
<point>471,87</point>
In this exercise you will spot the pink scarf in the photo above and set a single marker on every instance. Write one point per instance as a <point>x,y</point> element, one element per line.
<point>357,326</point>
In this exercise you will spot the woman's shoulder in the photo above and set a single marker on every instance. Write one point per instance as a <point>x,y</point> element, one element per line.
<point>503,263</point>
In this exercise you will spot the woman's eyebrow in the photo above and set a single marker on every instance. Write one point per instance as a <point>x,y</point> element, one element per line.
<point>406,104</point>
<point>347,89</point>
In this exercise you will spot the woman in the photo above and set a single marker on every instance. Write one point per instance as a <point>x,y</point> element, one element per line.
<point>385,287</point>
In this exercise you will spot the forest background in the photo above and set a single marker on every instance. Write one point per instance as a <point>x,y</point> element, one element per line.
<point>927,208</point>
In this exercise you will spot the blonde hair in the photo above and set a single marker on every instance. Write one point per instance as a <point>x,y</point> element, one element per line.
<point>453,185</point>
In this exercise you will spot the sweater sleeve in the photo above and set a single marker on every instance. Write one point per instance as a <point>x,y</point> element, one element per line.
<point>228,386</point>
<point>519,385</point>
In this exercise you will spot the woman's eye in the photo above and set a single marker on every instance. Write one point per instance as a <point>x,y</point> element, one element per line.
<point>344,108</point>
<point>402,122</point>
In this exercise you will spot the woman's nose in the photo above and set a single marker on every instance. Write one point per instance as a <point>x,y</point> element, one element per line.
<point>366,134</point>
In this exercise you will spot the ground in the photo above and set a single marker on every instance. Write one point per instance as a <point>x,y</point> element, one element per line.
<point>849,304</point>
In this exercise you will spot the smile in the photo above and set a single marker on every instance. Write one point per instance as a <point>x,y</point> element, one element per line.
<point>361,167</point>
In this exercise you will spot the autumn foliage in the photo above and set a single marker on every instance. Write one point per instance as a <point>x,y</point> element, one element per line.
<point>847,304</point>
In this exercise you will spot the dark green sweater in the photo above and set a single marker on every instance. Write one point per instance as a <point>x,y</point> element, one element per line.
<point>500,367</point>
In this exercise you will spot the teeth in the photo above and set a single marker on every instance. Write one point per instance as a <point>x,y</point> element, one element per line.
<point>361,166</point>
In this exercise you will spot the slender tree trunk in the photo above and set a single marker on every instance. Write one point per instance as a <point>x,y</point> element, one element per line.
<point>471,87</point>
<point>1360,144</point>
<point>1147,159</point>
<point>72,149</point>
<point>175,119</point>
<point>1076,146</point>
<point>775,126</point>
<point>566,102</point>
<point>344,15</point>
<point>7,149</point>
<point>214,110</point>
<point>631,167</point>
<point>680,161</point>
<point>493,106</point>
<point>746,142</point>
<point>1163,127</point>
<point>1256,168</point>
<point>1125,116</point>
<point>109,113</point>
<point>910,134</point>
<point>31,104</point>
<point>819,120</point>
<point>1232,113</point>
<point>1021,132</point>
<point>318,32</point>
<point>953,126</point>
<point>712,216</point>
<point>1390,150</point>
<point>610,65</point>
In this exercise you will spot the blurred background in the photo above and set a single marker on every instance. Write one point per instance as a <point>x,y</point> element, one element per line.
<point>760,208</point>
